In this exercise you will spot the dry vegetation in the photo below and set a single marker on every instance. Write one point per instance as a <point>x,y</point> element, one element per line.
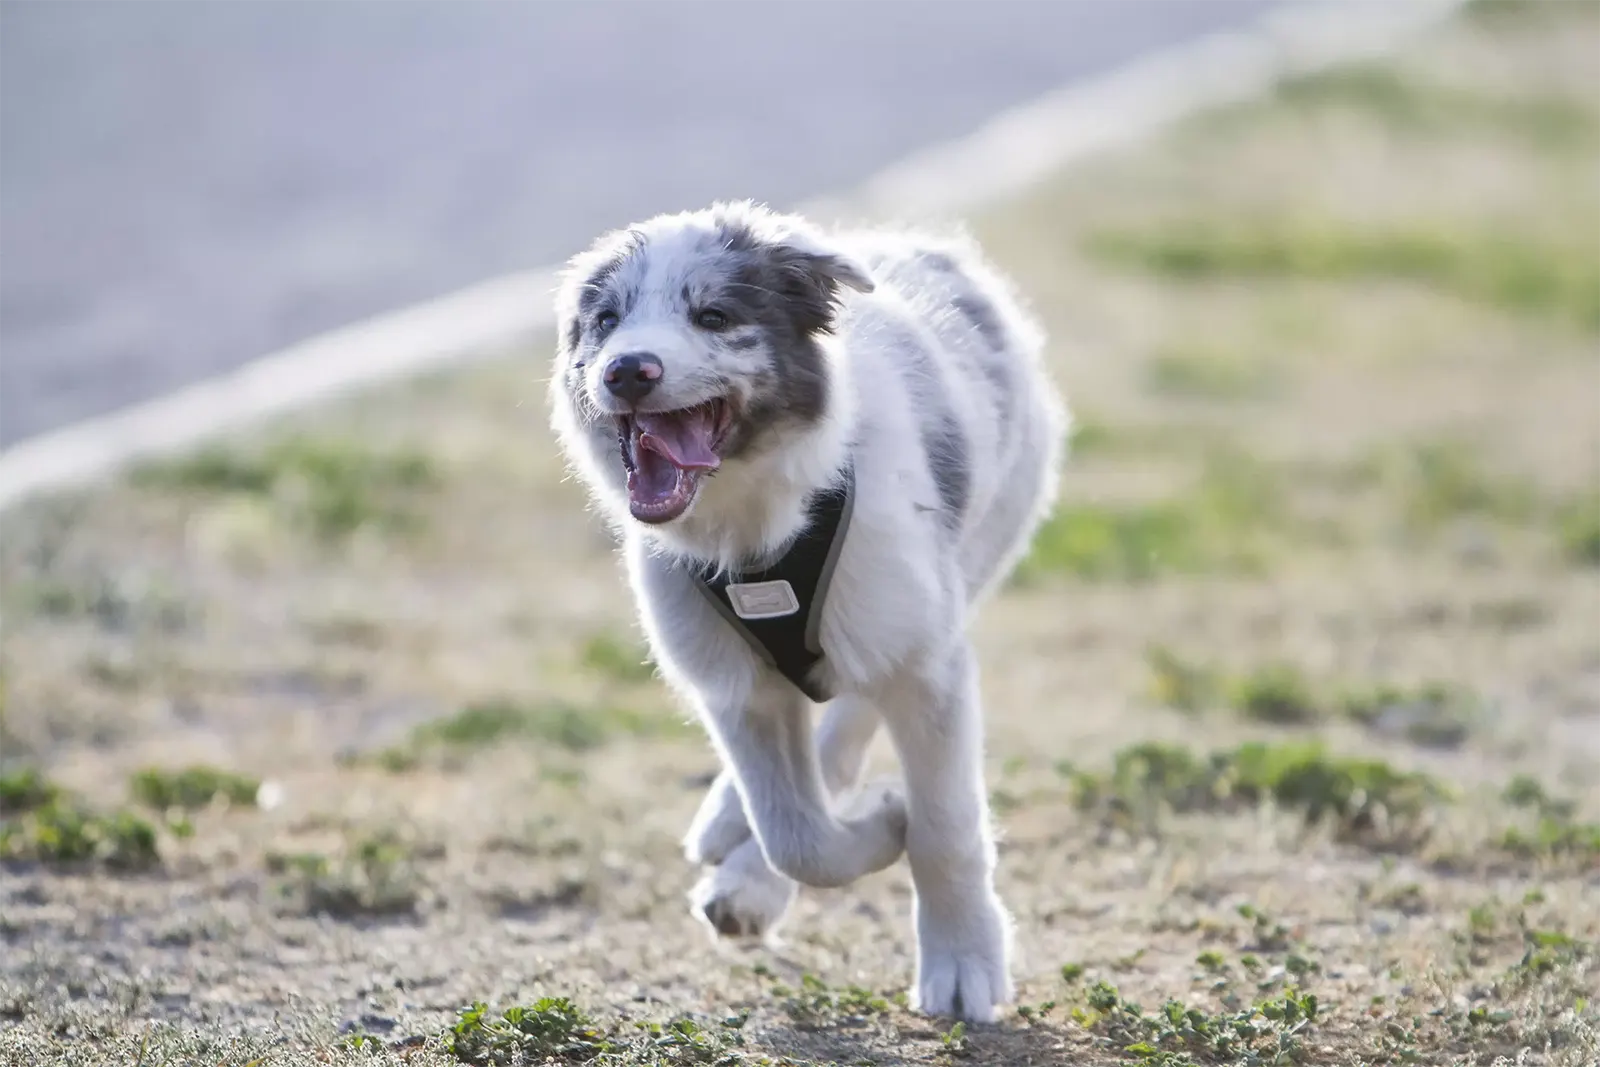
<point>335,744</point>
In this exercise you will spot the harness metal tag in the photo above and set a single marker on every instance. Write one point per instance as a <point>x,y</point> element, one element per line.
<point>763,600</point>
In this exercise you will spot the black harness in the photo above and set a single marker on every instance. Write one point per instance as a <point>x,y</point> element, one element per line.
<point>778,609</point>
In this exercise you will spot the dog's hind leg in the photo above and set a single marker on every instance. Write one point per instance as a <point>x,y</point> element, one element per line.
<point>742,895</point>
<point>963,933</point>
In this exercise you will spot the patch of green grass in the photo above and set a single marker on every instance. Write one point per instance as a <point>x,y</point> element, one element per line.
<point>1266,933</point>
<point>1217,526</point>
<point>1179,683</point>
<point>623,661</point>
<point>60,831</point>
<point>566,725</point>
<point>572,727</point>
<point>1207,374</point>
<point>1503,14</point>
<point>1578,528</point>
<point>1508,271</point>
<point>1545,121</point>
<point>374,877</point>
<point>23,790</point>
<point>1368,801</point>
<point>1553,832</point>
<point>333,487</point>
<point>815,1004</point>
<point>193,787</point>
<point>554,1030</point>
<point>1277,693</point>
<point>1437,481</point>
<point>1433,714</point>
<point>1271,1031</point>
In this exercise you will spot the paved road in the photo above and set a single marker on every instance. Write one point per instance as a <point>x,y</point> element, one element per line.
<point>186,186</point>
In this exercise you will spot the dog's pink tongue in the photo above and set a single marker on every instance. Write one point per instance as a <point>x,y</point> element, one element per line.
<point>684,437</point>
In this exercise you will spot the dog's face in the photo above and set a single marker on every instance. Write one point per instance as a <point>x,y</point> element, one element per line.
<point>691,342</point>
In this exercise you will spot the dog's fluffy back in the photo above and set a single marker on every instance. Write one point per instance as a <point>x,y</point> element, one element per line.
<point>948,364</point>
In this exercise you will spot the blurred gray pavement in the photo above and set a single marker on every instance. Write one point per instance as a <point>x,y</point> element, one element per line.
<point>186,186</point>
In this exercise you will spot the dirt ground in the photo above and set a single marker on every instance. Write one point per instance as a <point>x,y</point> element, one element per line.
<point>1294,711</point>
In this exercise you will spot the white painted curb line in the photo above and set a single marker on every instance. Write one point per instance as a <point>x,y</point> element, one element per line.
<point>1010,153</point>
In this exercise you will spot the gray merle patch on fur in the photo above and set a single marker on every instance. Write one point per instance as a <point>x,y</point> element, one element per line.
<point>946,446</point>
<point>984,318</point>
<point>943,440</point>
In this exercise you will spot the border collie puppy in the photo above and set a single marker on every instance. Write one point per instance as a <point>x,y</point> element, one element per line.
<point>820,451</point>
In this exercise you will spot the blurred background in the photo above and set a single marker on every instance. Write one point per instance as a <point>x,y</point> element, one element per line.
<point>185,187</point>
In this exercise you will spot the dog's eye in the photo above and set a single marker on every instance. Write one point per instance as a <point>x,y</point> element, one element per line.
<point>607,321</point>
<point>711,319</point>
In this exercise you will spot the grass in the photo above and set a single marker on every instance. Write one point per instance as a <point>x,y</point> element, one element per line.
<point>1547,121</point>
<point>373,877</point>
<point>816,1005</point>
<point>1271,1031</point>
<point>1208,374</point>
<point>43,823</point>
<point>1437,481</point>
<point>555,1030</point>
<point>1578,531</point>
<point>1552,831</point>
<point>193,787</point>
<point>1432,714</point>
<point>23,790</point>
<point>622,661</point>
<point>551,723</point>
<point>1507,270</point>
<point>330,486</point>
<point>1277,693</point>
<point>1221,524</point>
<point>1366,800</point>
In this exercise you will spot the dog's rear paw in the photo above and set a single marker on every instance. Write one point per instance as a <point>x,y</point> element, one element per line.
<point>742,897</point>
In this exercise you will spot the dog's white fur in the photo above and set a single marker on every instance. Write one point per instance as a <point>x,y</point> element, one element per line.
<point>932,369</point>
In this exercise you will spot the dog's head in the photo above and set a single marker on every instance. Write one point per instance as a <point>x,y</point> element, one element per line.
<point>690,343</point>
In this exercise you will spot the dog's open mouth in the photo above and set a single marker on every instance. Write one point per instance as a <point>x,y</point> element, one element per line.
<point>665,454</point>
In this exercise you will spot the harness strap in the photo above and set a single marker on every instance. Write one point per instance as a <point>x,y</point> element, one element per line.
<point>778,609</point>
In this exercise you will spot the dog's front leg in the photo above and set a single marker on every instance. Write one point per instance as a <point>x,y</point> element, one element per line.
<point>766,741</point>
<point>740,895</point>
<point>848,726</point>
<point>963,933</point>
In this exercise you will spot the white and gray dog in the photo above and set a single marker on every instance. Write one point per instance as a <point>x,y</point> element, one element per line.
<point>723,378</point>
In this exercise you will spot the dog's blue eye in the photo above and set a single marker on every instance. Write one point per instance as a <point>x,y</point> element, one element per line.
<point>607,321</point>
<point>711,319</point>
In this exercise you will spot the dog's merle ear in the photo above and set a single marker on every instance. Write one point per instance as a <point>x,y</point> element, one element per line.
<point>811,272</point>
<point>826,260</point>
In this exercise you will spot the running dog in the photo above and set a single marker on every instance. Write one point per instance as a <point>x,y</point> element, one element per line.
<point>820,452</point>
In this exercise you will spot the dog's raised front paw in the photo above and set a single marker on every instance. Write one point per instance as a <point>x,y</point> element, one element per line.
<point>742,897</point>
<point>962,970</point>
<point>876,819</point>
<point>719,826</point>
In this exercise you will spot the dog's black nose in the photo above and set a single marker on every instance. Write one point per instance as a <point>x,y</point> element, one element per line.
<point>631,376</point>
